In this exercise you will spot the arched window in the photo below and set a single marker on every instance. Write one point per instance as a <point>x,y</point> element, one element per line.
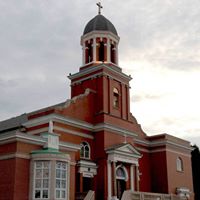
<point>85,150</point>
<point>115,98</point>
<point>179,164</point>
<point>121,173</point>
<point>101,51</point>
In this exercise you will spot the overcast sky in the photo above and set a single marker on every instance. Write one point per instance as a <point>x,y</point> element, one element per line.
<point>159,47</point>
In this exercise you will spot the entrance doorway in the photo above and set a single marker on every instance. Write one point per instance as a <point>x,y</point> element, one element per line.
<point>121,187</point>
<point>87,184</point>
<point>121,176</point>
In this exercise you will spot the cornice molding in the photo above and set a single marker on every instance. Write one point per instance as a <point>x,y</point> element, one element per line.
<point>171,151</point>
<point>161,143</point>
<point>70,146</point>
<point>37,131</point>
<point>78,124</point>
<point>15,155</point>
<point>99,33</point>
<point>96,68</point>
<point>65,130</point>
<point>22,137</point>
<point>115,129</point>
<point>32,139</point>
<point>114,157</point>
<point>99,75</point>
<point>58,118</point>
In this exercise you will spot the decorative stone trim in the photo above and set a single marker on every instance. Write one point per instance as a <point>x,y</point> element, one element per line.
<point>58,118</point>
<point>115,158</point>
<point>87,168</point>
<point>79,124</point>
<point>96,68</point>
<point>72,132</point>
<point>40,130</point>
<point>172,151</point>
<point>98,34</point>
<point>99,74</point>
<point>18,136</point>
<point>15,155</point>
<point>52,158</point>
<point>161,143</point>
<point>32,139</point>
<point>115,129</point>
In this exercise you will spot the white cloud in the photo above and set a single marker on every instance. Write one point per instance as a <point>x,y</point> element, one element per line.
<point>159,47</point>
<point>167,99</point>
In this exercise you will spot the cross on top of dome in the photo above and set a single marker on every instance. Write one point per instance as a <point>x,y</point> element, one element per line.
<point>99,7</point>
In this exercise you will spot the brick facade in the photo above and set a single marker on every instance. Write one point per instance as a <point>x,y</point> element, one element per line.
<point>98,114</point>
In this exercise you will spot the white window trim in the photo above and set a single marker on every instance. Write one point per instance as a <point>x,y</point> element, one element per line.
<point>34,179</point>
<point>179,164</point>
<point>60,189</point>
<point>115,98</point>
<point>88,145</point>
<point>125,171</point>
<point>52,158</point>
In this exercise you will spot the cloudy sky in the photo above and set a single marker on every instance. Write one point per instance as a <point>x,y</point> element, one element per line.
<point>159,48</point>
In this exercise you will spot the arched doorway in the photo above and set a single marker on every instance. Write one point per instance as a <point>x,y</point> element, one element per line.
<point>121,176</point>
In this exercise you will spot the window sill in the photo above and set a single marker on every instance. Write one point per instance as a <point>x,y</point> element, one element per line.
<point>178,171</point>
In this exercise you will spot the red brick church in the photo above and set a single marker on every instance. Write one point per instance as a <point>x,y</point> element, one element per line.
<point>91,146</point>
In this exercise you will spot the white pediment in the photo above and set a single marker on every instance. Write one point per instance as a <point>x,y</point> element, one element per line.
<point>124,149</point>
<point>128,148</point>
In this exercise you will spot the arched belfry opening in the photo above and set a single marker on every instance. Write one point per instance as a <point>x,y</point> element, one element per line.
<point>88,51</point>
<point>101,52</point>
<point>113,53</point>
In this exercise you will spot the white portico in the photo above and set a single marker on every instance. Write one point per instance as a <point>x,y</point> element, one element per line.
<point>122,170</point>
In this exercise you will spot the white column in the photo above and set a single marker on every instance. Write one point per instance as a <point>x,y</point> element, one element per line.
<point>108,50</point>
<point>83,54</point>
<point>52,177</point>
<point>68,180</point>
<point>94,49</point>
<point>132,177</point>
<point>137,178</point>
<point>114,180</point>
<point>116,54</point>
<point>109,179</point>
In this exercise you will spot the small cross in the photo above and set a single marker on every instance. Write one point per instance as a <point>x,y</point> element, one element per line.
<point>100,7</point>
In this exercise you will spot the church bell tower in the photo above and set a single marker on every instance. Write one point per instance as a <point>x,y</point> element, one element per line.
<point>100,71</point>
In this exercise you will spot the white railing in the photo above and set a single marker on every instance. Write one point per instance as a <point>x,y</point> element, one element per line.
<point>131,195</point>
<point>90,195</point>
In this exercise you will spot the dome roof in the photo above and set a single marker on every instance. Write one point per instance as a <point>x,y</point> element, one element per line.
<point>99,23</point>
